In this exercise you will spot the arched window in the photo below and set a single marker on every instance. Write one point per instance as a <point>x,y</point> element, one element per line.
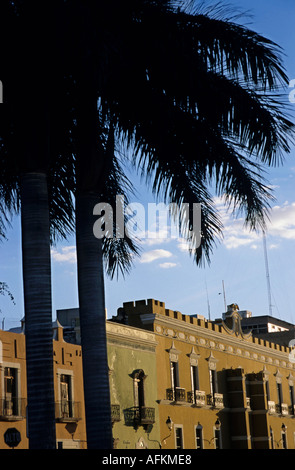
<point>138,388</point>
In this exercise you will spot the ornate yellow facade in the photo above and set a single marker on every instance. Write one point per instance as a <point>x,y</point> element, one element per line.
<point>177,382</point>
<point>68,385</point>
<point>220,386</point>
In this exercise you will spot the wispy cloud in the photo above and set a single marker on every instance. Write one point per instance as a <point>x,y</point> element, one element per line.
<point>66,254</point>
<point>281,226</point>
<point>150,256</point>
<point>168,265</point>
<point>282,223</point>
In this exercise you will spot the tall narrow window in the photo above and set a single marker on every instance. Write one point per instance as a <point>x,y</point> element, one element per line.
<point>271,439</point>
<point>292,400</point>
<point>267,391</point>
<point>199,437</point>
<point>195,378</point>
<point>284,440</point>
<point>280,394</point>
<point>10,391</point>
<point>194,357</point>
<point>217,438</point>
<point>178,437</point>
<point>65,396</point>
<point>174,375</point>
<point>213,381</point>
<point>138,384</point>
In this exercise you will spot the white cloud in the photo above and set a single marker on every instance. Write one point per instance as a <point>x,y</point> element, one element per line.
<point>153,255</point>
<point>281,227</point>
<point>282,223</point>
<point>66,254</point>
<point>167,265</point>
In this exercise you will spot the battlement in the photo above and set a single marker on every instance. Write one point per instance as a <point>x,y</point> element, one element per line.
<point>144,306</point>
<point>151,306</point>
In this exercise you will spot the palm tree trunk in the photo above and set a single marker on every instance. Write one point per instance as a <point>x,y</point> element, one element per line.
<point>93,326</point>
<point>38,310</point>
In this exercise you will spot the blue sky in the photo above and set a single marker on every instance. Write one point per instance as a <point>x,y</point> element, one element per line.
<point>165,271</point>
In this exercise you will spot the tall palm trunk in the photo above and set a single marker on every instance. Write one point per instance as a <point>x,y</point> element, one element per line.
<point>38,310</point>
<point>93,326</point>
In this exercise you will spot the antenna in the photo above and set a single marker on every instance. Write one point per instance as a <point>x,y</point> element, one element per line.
<point>267,275</point>
<point>207,299</point>
<point>224,299</point>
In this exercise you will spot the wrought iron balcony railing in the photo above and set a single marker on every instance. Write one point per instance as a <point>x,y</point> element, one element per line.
<point>68,411</point>
<point>13,409</point>
<point>197,397</point>
<point>271,407</point>
<point>146,415</point>
<point>215,400</point>
<point>115,413</point>
<point>175,394</point>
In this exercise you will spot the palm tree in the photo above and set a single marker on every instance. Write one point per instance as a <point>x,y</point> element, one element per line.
<point>195,100</point>
<point>175,97</point>
<point>28,180</point>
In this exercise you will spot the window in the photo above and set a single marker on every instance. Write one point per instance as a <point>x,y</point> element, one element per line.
<point>280,393</point>
<point>267,390</point>
<point>66,396</point>
<point>213,381</point>
<point>271,439</point>
<point>199,437</point>
<point>66,408</point>
<point>284,440</point>
<point>217,438</point>
<point>195,378</point>
<point>178,437</point>
<point>174,374</point>
<point>10,404</point>
<point>138,385</point>
<point>292,400</point>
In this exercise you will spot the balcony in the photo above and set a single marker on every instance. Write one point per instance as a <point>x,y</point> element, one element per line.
<point>197,397</point>
<point>215,400</point>
<point>115,413</point>
<point>144,415</point>
<point>176,394</point>
<point>277,408</point>
<point>271,407</point>
<point>13,409</point>
<point>67,411</point>
<point>284,409</point>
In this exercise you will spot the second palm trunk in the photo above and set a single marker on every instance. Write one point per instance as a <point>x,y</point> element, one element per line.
<point>93,326</point>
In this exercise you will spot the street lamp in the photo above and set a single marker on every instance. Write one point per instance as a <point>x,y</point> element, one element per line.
<point>283,438</point>
<point>169,424</point>
<point>217,427</point>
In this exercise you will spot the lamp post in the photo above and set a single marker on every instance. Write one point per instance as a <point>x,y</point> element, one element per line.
<point>169,424</point>
<point>217,427</point>
<point>283,438</point>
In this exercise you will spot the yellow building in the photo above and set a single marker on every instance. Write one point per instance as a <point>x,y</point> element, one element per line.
<point>177,382</point>
<point>68,385</point>
<point>220,387</point>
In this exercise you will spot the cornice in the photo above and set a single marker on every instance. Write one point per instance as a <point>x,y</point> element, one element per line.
<point>128,336</point>
<point>224,342</point>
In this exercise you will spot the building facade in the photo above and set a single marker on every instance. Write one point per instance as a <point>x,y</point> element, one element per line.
<point>220,386</point>
<point>133,387</point>
<point>176,382</point>
<point>68,385</point>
